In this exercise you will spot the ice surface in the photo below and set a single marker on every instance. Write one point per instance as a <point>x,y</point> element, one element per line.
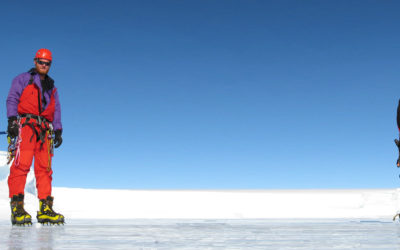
<point>204,234</point>
<point>206,219</point>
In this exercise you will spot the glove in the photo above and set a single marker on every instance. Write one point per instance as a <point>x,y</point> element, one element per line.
<point>57,138</point>
<point>13,127</point>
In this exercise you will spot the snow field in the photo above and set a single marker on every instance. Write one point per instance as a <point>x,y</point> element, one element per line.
<point>78,203</point>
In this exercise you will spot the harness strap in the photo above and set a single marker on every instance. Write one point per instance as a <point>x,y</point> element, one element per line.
<point>41,123</point>
<point>38,118</point>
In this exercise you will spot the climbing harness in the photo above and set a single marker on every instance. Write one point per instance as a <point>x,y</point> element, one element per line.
<point>41,128</point>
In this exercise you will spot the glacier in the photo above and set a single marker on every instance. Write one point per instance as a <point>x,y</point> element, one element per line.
<point>206,219</point>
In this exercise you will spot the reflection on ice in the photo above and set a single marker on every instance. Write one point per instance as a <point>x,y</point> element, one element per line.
<point>201,234</point>
<point>36,236</point>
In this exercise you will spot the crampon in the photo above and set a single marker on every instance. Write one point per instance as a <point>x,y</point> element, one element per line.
<point>19,216</point>
<point>46,215</point>
<point>49,223</point>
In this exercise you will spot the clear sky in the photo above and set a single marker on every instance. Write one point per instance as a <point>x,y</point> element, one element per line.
<point>215,94</point>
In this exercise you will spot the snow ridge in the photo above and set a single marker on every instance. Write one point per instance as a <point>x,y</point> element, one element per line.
<point>78,203</point>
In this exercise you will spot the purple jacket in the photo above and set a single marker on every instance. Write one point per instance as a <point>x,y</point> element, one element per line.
<point>17,87</point>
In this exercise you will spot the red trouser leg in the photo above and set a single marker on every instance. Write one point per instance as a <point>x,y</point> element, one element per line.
<point>43,170</point>
<point>20,167</point>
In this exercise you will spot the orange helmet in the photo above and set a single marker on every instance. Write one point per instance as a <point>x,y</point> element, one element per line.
<point>44,54</point>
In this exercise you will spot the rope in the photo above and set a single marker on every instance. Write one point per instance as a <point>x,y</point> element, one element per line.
<point>49,148</point>
<point>17,144</point>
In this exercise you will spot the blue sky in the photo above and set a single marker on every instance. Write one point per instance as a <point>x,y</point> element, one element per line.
<point>216,94</point>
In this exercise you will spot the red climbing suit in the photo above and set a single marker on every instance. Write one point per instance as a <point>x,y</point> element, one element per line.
<point>35,142</point>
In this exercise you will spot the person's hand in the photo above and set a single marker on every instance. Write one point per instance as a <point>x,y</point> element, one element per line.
<point>57,138</point>
<point>13,127</point>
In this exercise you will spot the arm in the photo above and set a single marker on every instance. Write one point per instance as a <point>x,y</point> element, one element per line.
<point>57,125</point>
<point>13,96</point>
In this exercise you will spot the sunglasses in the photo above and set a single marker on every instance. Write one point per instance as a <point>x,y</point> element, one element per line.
<point>43,63</point>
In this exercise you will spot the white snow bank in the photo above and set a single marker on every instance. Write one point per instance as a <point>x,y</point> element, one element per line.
<point>79,203</point>
<point>230,204</point>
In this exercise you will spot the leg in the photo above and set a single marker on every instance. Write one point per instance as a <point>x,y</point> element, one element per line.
<point>43,172</point>
<point>20,167</point>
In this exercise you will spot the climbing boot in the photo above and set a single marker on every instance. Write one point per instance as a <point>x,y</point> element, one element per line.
<point>46,214</point>
<point>19,216</point>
